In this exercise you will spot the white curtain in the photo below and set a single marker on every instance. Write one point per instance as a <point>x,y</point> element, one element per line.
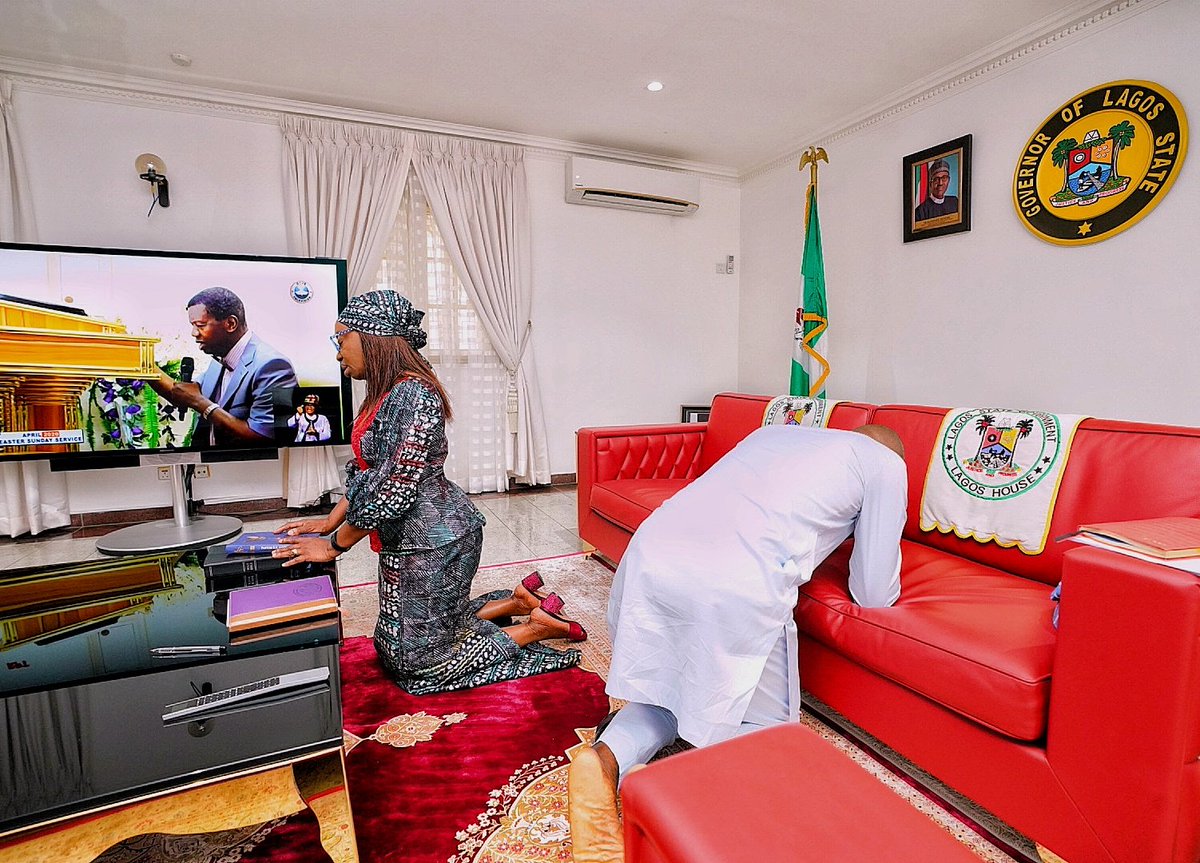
<point>343,182</point>
<point>417,264</point>
<point>479,200</point>
<point>32,499</point>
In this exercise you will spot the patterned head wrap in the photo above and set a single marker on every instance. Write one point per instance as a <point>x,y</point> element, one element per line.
<point>384,313</point>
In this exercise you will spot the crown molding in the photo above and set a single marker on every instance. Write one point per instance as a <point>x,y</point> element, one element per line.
<point>96,86</point>
<point>1081,19</point>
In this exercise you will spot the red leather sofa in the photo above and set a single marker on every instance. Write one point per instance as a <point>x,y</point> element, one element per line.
<point>1085,738</point>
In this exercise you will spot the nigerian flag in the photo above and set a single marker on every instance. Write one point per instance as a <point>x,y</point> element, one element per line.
<point>809,366</point>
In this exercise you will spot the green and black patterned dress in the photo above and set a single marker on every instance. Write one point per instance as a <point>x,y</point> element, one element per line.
<point>429,536</point>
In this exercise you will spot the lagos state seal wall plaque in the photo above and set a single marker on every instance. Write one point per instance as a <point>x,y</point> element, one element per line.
<point>1100,162</point>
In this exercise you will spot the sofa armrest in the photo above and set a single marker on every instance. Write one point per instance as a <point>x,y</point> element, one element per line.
<point>1124,724</point>
<point>646,452</point>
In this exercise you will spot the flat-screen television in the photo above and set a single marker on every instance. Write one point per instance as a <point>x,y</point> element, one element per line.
<point>108,354</point>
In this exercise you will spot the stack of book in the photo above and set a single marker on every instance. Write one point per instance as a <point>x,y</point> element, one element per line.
<point>247,561</point>
<point>1171,540</point>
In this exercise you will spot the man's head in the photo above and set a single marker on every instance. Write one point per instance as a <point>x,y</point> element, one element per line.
<point>218,320</point>
<point>939,178</point>
<point>884,435</point>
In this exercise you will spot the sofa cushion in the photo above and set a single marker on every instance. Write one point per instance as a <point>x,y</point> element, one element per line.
<point>850,415</point>
<point>627,502</point>
<point>969,637</point>
<point>732,417</point>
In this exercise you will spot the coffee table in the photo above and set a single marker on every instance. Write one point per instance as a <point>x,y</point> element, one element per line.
<point>87,754</point>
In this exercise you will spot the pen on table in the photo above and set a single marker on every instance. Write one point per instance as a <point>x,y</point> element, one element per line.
<point>185,650</point>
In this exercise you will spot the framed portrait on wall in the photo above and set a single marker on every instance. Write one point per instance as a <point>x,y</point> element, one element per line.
<point>937,190</point>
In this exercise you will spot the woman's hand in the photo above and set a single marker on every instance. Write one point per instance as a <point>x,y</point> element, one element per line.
<point>305,549</point>
<point>307,525</point>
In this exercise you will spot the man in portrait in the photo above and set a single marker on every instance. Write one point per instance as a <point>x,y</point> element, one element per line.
<point>937,202</point>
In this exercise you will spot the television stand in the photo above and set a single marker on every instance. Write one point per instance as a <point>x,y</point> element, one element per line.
<point>181,532</point>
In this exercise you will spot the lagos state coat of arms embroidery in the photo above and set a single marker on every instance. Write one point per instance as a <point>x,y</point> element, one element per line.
<point>1100,163</point>
<point>994,454</point>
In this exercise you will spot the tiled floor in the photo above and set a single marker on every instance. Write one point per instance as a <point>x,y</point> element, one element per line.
<point>521,525</point>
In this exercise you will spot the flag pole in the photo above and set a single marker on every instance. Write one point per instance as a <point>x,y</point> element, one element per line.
<point>810,369</point>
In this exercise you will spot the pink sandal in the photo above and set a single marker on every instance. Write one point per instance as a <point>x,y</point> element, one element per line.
<point>532,582</point>
<point>552,605</point>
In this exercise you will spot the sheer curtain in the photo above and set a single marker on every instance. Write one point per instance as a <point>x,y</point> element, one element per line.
<point>343,183</point>
<point>478,197</point>
<point>32,499</point>
<point>417,264</point>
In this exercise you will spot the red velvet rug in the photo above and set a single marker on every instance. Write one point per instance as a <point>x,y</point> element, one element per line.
<point>432,775</point>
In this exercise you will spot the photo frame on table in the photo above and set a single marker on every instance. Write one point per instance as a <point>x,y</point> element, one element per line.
<point>937,190</point>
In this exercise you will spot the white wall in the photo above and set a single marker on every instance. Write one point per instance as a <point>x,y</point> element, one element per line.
<point>630,319</point>
<point>995,315</point>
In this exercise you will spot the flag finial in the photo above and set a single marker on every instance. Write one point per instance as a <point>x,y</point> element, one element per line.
<point>811,156</point>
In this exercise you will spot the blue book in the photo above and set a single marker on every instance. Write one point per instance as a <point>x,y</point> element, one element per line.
<point>260,543</point>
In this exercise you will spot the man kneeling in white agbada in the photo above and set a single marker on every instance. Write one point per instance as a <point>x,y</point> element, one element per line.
<point>700,615</point>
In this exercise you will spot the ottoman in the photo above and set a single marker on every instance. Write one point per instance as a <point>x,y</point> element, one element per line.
<point>781,794</point>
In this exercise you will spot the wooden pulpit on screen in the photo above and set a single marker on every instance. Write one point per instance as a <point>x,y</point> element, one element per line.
<point>49,356</point>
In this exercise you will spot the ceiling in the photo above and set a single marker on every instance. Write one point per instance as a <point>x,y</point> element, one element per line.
<point>745,82</point>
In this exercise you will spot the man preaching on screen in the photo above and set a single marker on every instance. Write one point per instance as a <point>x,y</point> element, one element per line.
<point>234,399</point>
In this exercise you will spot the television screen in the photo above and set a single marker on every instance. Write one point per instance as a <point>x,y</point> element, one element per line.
<point>109,351</point>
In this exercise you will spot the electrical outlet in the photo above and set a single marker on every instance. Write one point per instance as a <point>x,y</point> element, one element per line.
<point>164,472</point>
<point>202,472</point>
<point>720,268</point>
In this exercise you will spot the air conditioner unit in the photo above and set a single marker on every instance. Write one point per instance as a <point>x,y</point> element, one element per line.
<point>631,187</point>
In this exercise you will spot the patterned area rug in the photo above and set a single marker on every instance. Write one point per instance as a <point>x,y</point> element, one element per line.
<point>480,776</point>
<point>431,776</point>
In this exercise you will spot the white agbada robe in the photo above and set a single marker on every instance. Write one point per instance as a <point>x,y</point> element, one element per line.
<point>709,582</point>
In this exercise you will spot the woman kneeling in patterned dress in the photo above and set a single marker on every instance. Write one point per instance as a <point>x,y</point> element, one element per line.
<point>431,635</point>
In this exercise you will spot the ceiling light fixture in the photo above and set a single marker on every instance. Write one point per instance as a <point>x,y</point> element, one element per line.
<point>181,59</point>
<point>654,86</point>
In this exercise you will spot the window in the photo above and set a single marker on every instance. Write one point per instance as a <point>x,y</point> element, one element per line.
<point>417,264</point>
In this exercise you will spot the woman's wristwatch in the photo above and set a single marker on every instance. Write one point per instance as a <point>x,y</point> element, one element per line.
<point>338,547</point>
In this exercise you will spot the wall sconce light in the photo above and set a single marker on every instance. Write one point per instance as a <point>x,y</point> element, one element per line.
<point>154,171</point>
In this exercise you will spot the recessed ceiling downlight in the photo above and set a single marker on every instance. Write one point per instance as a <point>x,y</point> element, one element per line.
<point>654,86</point>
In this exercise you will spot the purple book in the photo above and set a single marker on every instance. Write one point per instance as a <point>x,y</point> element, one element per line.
<point>281,602</point>
<point>259,543</point>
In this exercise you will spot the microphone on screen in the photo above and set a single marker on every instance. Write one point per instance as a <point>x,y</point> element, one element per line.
<point>187,366</point>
